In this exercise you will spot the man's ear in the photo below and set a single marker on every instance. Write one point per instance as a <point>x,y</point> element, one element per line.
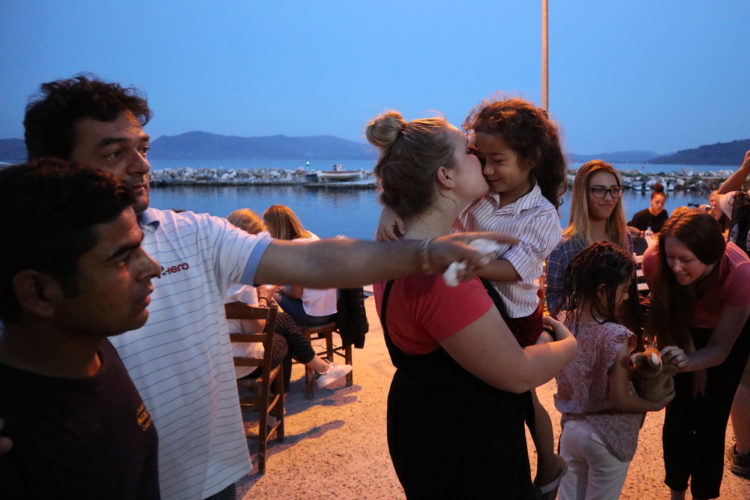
<point>37,292</point>
<point>444,177</point>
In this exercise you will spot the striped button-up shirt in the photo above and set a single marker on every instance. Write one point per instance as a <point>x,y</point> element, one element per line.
<point>535,222</point>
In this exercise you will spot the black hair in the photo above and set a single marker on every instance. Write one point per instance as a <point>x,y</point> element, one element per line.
<point>601,263</point>
<point>49,209</point>
<point>51,115</point>
<point>658,189</point>
<point>529,132</point>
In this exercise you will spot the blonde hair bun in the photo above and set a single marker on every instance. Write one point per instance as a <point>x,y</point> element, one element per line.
<point>384,129</point>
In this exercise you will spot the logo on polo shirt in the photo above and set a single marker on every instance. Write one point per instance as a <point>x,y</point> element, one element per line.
<point>184,266</point>
<point>143,418</point>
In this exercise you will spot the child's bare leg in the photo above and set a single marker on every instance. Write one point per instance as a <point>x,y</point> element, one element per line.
<point>548,464</point>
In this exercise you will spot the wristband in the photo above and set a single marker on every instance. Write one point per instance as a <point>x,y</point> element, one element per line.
<point>425,253</point>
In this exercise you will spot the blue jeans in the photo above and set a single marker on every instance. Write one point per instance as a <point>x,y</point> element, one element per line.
<point>295,309</point>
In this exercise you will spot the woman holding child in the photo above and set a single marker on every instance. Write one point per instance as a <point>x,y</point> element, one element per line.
<point>700,304</point>
<point>458,399</point>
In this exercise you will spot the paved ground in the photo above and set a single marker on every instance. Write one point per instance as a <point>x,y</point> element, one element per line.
<point>335,444</point>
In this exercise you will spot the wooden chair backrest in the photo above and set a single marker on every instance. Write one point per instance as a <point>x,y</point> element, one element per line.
<point>242,311</point>
<point>260,397</point>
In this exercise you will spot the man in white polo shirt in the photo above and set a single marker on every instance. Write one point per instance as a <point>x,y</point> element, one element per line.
<point>181,360</point>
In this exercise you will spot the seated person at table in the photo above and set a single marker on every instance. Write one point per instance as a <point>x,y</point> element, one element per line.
<point>72,273</point>
<point>298,344</point>
<point>652,217</point>
<point>307,306</point>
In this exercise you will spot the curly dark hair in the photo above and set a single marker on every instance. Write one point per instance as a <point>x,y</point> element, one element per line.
<point>52,114</point>
<point>529,132</point>
<point>50,208</point>
<point>601,263</point>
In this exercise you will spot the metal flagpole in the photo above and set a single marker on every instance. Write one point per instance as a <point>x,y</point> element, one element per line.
<point>545,62</point>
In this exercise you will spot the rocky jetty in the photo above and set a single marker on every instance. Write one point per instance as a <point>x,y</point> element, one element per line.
<point>187,176</point>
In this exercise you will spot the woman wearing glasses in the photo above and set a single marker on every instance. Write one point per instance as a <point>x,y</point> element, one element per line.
<point>596,214</point>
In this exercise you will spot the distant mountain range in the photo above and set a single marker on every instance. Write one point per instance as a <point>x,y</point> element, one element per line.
<point>616,157</point>
<point>206,146</point>
<point>721,153</point>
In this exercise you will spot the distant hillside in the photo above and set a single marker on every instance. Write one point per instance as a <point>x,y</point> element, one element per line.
<point>616,157</point>
<point>12,150</point>
<point>207,146</point>
<point>721,153</point>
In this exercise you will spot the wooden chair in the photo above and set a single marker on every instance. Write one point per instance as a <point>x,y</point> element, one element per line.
<point>260,398</point>
<point>325,332</point>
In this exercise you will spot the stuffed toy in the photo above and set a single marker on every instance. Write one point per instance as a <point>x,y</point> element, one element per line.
<point>653,380</point>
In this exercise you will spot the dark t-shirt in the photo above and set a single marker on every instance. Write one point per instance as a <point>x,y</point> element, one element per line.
<point>77,438</point>
<point>643,219</point>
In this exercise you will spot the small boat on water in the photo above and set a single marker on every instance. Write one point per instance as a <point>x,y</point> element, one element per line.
<point>335,175</point>
<point>341,175</point>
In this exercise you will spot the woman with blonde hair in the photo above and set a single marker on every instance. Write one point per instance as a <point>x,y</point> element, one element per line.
<point>247,220</point>
<point>596,214</point>
<point>458,366</point>
<point>288,336</point>
<point>283,223</point>
<point>308,307</point>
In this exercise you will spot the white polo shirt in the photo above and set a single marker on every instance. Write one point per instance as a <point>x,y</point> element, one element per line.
<point>535,222</point>
<point>181,359</point>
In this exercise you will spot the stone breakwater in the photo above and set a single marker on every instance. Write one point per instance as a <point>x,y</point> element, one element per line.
<point>187,176</point>
<point>687,179</point>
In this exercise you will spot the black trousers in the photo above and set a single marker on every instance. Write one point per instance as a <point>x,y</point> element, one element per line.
<point>694,429</point>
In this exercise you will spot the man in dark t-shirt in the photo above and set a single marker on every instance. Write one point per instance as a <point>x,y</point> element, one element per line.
<point>72,273</point>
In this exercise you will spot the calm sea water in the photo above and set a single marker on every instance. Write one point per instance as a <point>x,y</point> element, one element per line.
<point>352,213</point>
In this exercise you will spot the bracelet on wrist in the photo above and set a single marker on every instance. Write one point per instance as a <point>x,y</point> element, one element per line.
<point>425,253</point>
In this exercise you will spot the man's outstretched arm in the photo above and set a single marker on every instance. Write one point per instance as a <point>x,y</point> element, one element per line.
<point>343,262</point>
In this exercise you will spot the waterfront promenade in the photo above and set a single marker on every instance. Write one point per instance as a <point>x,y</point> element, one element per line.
<point>335,444</point>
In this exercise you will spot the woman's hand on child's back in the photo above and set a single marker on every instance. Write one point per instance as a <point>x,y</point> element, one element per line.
<point>390,226</point>
<point>559,331</point>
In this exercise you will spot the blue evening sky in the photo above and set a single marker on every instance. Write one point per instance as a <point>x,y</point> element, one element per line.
<point>637,74</point>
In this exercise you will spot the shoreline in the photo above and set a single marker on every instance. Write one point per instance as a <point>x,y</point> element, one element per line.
<point>206,176</point>
<point>687,179</point>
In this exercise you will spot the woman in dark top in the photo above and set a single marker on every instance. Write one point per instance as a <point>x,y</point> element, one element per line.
<point>654,216</point>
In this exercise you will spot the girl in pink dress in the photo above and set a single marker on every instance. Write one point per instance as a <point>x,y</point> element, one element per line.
<point>601,413</point>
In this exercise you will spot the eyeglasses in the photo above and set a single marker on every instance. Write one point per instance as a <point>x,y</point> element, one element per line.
<point>601,192</point>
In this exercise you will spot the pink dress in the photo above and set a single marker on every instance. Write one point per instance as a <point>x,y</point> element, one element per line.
<point>583,387</point>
